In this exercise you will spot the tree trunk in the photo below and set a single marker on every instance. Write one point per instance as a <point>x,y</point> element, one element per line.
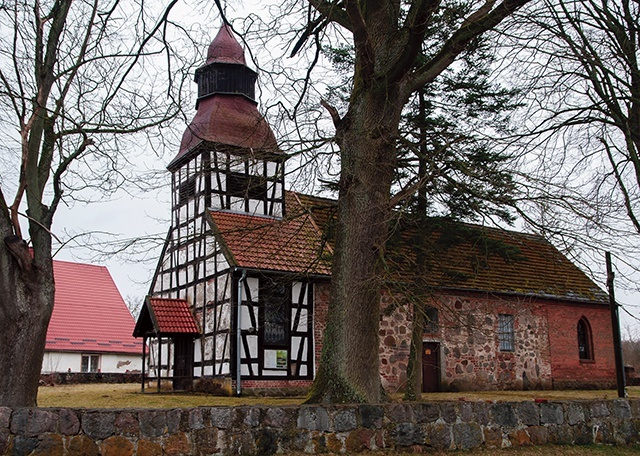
<point>26,304</point>
<point>349,367</point>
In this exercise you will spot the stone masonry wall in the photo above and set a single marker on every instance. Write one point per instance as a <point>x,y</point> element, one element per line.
<point>545,350</point>
<point>407,427</point>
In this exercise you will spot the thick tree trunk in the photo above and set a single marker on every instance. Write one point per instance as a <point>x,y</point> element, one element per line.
<point>26,303</point>
<point>349,367</point>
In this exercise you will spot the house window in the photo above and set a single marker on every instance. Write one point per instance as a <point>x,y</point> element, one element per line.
<point>276,309</point>
<point>506,334</point>
<point>430,320</point>
<point>585,349</point>
<point>90,363</point>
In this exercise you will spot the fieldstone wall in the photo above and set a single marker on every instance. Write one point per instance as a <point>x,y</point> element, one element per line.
<point>411,427</point>
<point>69,378</point>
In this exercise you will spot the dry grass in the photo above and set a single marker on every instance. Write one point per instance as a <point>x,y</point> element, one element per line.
<point>129,396</point>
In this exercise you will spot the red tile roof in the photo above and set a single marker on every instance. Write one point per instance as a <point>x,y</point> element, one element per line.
<point>170,316</point>
<point>293,244</point>
<point>481,258</point>
<point>89,314</point>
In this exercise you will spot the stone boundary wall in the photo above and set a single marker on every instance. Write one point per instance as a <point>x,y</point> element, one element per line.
<point>64,378</point>
<point>411,427</point>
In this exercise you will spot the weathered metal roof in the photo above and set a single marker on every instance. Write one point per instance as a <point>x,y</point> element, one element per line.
<point>225,48</point>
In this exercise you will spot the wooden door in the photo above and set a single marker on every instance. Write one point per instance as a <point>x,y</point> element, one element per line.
<point>430,367</point>
<point>183,363</point>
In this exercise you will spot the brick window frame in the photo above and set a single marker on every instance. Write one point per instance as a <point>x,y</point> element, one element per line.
<point>585,341</point>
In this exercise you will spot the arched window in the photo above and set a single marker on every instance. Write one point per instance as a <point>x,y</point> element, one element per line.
<point>585,347</point>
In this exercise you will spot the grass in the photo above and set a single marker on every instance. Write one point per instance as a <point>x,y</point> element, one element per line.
<point>129,396</point>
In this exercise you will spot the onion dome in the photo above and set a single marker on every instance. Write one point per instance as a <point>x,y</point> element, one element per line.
<point>225,48</point>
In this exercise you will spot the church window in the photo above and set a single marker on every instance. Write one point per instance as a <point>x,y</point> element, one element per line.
<point>244,186</point>
<point>430,320</point>
<point>187,190</point>
<point>275,301</point>
<point>506,332</point>
<point>585,348</point>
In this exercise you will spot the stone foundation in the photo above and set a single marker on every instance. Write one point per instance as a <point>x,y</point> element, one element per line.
<point>407,427</point>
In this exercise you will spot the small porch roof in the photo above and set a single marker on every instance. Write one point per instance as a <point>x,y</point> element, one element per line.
<point>165,317</point>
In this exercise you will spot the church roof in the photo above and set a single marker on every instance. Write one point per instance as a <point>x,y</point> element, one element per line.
<point>293,244</point>
<point>225,48</point>
<point>89,314</point>
<point>229,120</point>
<point>226,118</point>
<point>460,256</point>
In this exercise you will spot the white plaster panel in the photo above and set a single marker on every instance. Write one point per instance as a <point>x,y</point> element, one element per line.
<point>208,370</point>
<point>214,186</point>
<point>237,164</point>
<point>277,210</point>
<point>274,372</point>
<point>295,346</point>
<point>295,292</point>
<point>220,353</point>
<point>225,317</point>
<point>256,207</point>
<point>237,204</point>
<point>271,168</point>
<point>246,318</point>
<point>244,370</point>
<point>225,368</point>
<point>197,351</point>
<point>254,287</point>
<point>221,263</point>
<point>252,342</point>
<point>303,370</point>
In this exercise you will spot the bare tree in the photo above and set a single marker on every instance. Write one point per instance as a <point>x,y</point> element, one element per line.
<point>76,81</point>
<point>579,62</point>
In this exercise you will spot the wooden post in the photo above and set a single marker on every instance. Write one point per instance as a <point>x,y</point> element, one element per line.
<point>615,327</point>
<point>144,353</point>
<point>159,361</point>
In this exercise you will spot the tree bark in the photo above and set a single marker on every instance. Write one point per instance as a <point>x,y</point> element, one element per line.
<point>349,367</point>
<point>27,293</point>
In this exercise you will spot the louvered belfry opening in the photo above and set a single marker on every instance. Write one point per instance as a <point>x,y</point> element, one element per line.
<point>226,78</point>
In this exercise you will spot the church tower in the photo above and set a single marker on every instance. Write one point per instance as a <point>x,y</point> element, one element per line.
<point>228,157</point>
<point>228,162</point>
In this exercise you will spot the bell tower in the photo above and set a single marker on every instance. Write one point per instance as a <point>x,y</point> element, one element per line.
<point>228,158</point>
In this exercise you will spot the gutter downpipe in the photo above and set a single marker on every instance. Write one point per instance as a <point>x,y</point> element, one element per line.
<point>239,333</point>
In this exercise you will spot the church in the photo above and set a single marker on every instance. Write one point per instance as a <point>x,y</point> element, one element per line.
<point>240,293</point>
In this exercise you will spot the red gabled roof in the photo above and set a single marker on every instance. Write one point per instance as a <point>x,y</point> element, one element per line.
<point>89,314</point>
<point>469,257</point>
<point>293,244</point>
<point>172,316</point>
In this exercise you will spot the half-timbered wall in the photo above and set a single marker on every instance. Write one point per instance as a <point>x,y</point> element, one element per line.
<point>242,183</point>
<point>264,354</point>
<point>192,265</point>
